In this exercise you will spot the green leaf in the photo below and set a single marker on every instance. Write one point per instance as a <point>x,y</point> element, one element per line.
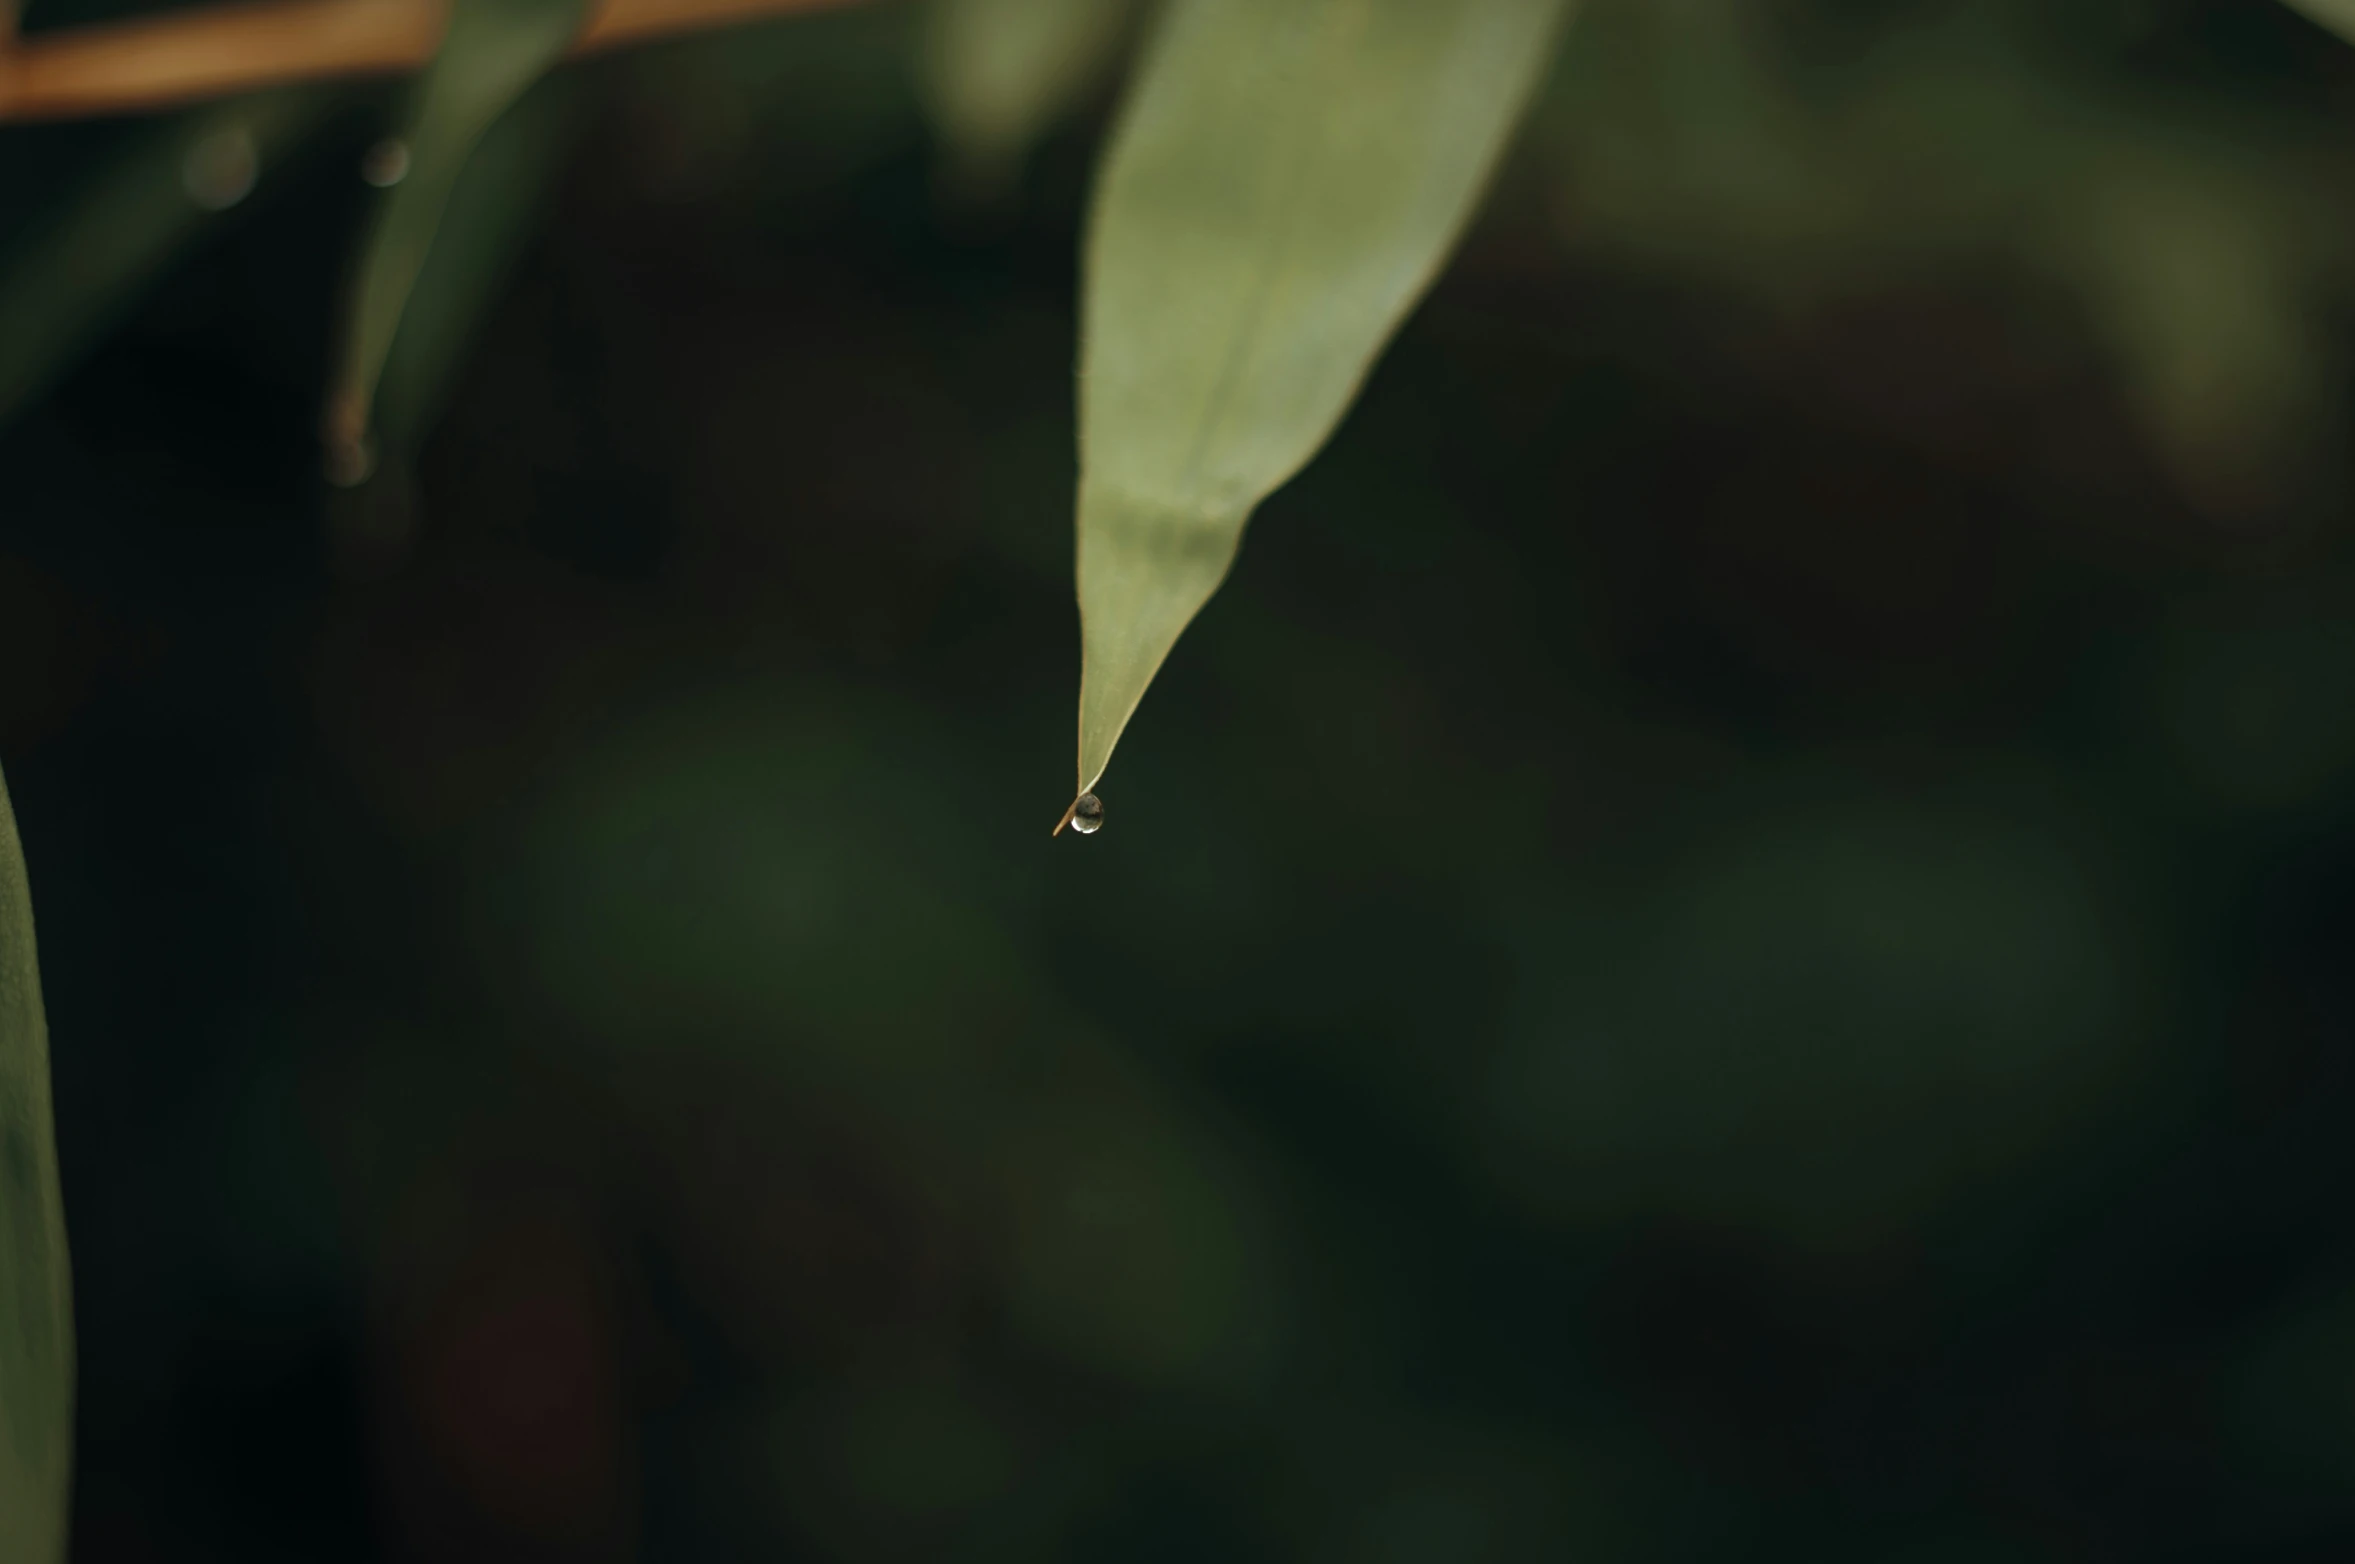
<point>1287,181</point>
<point>36,1304</point>
<point>493,52</point>
<point>2337,15</point>
<point>66,285</point>
<point>489,218</point>
<point>998,74</point>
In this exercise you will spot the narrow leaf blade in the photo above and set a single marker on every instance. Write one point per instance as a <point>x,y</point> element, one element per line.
<point>1288,179</point>
<point>493,210</point>
<point>36,1303</point>
<point>494,50</point>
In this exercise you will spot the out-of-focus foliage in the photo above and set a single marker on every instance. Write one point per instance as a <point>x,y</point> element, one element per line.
<point>492,53</point>
<point>998,74</point>
<point>36,1307</point>
<point>1969,139</point>
<point>83,265</point>
<point>2336,14</point>
<point>1287,180</point>
<point>494,209</point>
<point>1951,962</point>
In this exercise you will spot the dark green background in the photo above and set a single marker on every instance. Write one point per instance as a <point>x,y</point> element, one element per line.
<point>1736,940</point>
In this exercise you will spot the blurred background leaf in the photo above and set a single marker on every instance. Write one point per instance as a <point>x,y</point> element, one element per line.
<point>492,53</point>
<point>69,279</point>
<point>1974,137</point>
<point>998,74</point>
<point>500,196</point>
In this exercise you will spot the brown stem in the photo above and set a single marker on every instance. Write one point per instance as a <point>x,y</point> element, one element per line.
<point>158,62</point>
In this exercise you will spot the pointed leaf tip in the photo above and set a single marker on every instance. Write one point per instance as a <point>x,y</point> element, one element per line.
<point>1287,179</point>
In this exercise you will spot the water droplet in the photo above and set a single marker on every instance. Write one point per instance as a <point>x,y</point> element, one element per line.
<point>1087,816</point>
<point>386,164</point>
<point>220,170</point>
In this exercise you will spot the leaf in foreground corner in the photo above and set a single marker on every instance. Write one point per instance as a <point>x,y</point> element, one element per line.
<point>2337,15</point>
<point>493,51</point>
<point>1287,181</point>
<point>36,1305</point>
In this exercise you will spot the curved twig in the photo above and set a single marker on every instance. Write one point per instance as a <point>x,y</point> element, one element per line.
<point>183,57</point>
